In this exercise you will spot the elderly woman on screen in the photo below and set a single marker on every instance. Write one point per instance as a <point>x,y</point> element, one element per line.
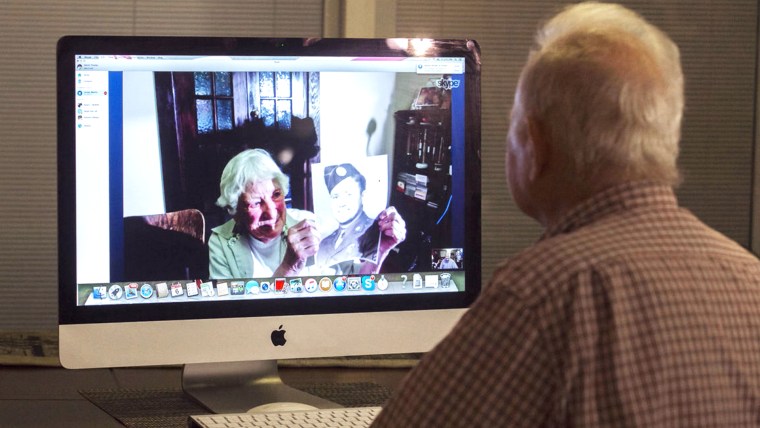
<point>264,238</point>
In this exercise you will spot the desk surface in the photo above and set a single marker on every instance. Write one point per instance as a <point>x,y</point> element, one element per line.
<point>49,397</point>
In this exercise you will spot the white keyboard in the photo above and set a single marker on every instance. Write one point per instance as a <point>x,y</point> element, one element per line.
<point>327,418</point>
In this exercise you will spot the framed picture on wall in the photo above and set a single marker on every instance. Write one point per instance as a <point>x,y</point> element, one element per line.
<point>432,97</point>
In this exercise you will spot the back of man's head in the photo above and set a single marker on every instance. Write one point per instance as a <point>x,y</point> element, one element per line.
<point>607,87</point>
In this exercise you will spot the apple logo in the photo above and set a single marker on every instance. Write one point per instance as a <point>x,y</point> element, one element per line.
<point>278,337</point>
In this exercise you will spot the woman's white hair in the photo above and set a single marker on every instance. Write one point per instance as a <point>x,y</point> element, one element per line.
<point>608,88</point>
<point>248,167</point>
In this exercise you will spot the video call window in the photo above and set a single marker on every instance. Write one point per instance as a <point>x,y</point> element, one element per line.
<point>399,132</point>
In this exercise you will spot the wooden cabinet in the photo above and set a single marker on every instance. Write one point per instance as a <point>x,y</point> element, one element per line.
<point>421,183</point>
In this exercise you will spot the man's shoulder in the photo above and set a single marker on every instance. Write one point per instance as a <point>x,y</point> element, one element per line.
<point>536,270</point>
<point>628,240</point>
<point>566,251</point>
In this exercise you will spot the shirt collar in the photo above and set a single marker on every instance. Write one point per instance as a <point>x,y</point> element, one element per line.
<point>615,199</point>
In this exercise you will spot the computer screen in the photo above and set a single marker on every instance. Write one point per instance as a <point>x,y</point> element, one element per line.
<point>227,200</point>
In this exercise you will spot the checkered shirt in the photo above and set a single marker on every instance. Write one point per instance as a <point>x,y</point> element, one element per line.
<point>629,313</point>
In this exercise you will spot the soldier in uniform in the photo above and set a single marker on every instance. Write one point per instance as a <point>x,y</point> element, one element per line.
<point>355,240</point>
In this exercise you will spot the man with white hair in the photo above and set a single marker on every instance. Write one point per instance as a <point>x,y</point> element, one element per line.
<point>629,311</point>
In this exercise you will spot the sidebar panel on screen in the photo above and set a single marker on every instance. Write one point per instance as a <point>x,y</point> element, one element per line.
<point>116,173</point>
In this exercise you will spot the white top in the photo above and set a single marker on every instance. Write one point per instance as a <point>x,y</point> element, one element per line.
<point>266,256</point>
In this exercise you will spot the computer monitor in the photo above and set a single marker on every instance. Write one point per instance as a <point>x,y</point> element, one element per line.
<point>148,273</point>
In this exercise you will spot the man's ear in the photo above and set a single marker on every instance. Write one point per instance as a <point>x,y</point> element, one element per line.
<point>538,138</point>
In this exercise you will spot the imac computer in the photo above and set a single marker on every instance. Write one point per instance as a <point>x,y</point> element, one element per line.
<point>156,267</point>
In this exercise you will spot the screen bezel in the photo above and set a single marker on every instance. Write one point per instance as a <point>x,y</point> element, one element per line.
<point>69,46</point>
